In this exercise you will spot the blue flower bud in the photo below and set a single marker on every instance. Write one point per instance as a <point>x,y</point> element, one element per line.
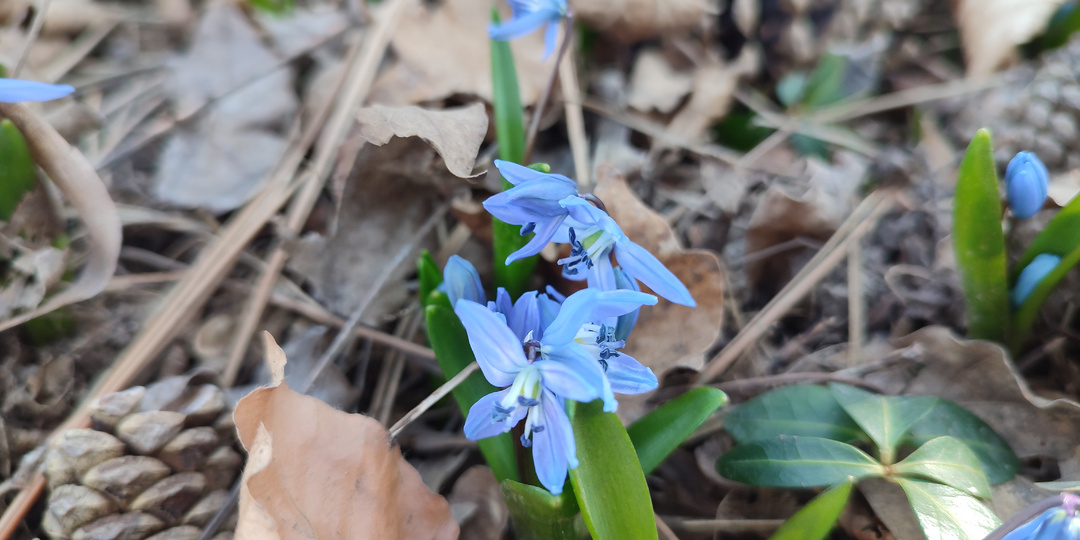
<point>460,280</point>
<point>14,91</point>
<point>1026,181</point>
<point>1032,275</point>
<point>1057,523</point>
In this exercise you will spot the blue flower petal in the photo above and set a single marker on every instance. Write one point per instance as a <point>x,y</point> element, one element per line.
<point>628,376</point>
<point>602,274</point>
<point>516,174</point>
<point>460,280</point>
<point>549,309</point>
<point>497,350</point>
<point>639,264</point>
<point>15,91</point>
<point>503,304</point>
<point>522,25</point>
<point>479,423</point>
<point>529,202</point>
<point>626,322</point>
<point>591,305</point>
<point>554,449</point>
<point>570,372</point>
<point>1032,275</point>
<point>551,38</point>
<point>544,231</point>
<point>525,317</point>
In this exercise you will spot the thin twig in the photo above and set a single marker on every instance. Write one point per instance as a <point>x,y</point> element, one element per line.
<point>662,528</point>
<point>431,400</point>
<point>534,124</point>
<point>31,37</point>
<point>856,304</point>
<point>354,319</point>
<point>575,120</point>
<point>794,378</point>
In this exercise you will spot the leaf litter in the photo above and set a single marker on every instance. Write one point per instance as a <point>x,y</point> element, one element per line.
<point>734,230</point>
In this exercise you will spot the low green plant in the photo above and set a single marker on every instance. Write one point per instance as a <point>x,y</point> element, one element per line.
<point>805,436</point>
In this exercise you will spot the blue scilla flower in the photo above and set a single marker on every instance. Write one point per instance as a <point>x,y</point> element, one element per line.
<point>1032,275</point>
<point>538,374</point>
<point>1026,181</point>
<point>593,236</point>
<point>533,203</point>
<point>461,280</point>
<point>530,15</point>
<point>1058,523</point>
<point>14,91</point>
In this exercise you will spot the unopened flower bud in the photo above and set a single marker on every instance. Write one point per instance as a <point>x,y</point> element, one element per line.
<point>1026,181</point>
<point>1032,275</point>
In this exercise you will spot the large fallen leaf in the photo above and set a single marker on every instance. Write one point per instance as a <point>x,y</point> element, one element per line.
<point>222,159</point>
<point>991,29</point>
<point>317,472</point>
<point>713,90</point>
<point>444,51</point>
<point>382,207</point>
<point>667,335</point>
<point>456,134</point>
<point>76,178</point>
<point>632,20</point>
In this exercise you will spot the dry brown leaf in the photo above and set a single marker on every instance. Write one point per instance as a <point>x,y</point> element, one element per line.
<point>455,133</point>
<point>713,89</point>
<point>667,335</point>
<point>317,472</point>
<point>220,161</point>
<point>76,178</point>
<point>445,51</point>
<point>991,29</point>
<point>633,20</point>
<point>477,495</point>
<point>812,212</point>
<point>654,84</point>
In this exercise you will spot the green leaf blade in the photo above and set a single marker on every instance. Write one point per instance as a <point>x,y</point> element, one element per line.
<point>980,243</point>
<point>946,513</point>
<point>886,419</point>
<point>660,432</point>
<point>949,419</point>
<point>18,175</point>
<point>608,482</point>
<point>799,410</point>
<point>948,461</point>
<point>430,277</point>
<point>539,515</point>
<point>510,135</point>
<point>816,520</point>
<point>797,462</point>
<point>452,352</point>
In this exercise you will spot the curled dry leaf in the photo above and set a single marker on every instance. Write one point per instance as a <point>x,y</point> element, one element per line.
<point>991,29</point>
<point>632,20</point>
<point>455,133</point>
<point>667,335</point>
<point>76,178</point>
<point>317,472</point>
<point>445,51</point>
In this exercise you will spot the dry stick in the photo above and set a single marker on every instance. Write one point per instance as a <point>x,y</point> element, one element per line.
<point>903,98</point>
<point>534,124</point>
<point>725,525</point>
<point>35,30</point>
<point>575,120</point>
<point>662,528</point>
<point>801,377</point>
<point>856,304</point>
<point>862,218</point>
<point>180,304</point>
<point>396,369</point>
<point>354,319</point>
<point>431,400</point>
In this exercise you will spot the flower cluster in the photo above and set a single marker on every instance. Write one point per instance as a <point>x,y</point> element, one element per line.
<point>14,91</point>
<point>542,348</point>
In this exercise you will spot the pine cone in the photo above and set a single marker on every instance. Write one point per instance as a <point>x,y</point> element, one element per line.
<point>157,463</point>
<point>1037,111</point>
